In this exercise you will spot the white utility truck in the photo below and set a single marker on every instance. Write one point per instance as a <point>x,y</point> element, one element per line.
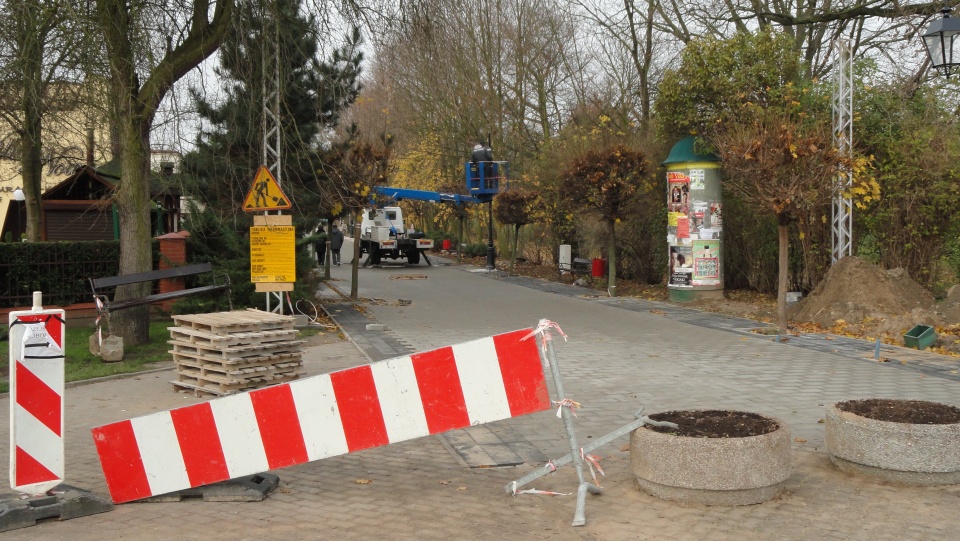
<point>383,236</point>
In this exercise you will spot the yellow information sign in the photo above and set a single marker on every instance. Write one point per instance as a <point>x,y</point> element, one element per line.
<point>272,254</point>
<point>265,194</point>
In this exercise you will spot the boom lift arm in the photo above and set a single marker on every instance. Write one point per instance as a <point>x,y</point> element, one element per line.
<point>399,194</point>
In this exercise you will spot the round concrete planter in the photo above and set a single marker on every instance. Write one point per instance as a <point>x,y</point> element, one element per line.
<point>712,471</point>
<point>916,454</point>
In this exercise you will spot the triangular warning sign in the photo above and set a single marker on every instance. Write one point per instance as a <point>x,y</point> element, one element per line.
<point>265,194</point>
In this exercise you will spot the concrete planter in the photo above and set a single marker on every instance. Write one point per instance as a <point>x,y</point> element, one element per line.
<point>712,471</point>
<point>916,454</point>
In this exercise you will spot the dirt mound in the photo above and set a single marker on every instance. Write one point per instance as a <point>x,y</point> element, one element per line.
<point>950,307</point>
<point>855,290</point>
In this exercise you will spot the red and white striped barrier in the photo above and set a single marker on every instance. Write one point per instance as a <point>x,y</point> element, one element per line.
<point>368,406</point>
<point>36,399</point>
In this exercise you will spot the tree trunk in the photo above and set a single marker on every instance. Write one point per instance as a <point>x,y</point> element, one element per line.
<point>611,258</point>
<point>783,230</point>
<point>32,168</point>
<point>327,251</point>
<point>133,103</point>
<point>133,208</point>
<point>460,241</point>
<point>30,58</point>
<point>516,237</point>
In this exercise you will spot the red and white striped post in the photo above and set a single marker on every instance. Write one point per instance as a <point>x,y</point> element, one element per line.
<point>368,406</point>
<point>36,398</point>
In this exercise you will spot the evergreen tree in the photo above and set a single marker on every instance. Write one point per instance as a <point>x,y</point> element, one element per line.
<point>313,95</point>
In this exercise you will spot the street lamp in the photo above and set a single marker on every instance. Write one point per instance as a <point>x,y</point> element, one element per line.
<point>941,42</point>
<point>19,198</point>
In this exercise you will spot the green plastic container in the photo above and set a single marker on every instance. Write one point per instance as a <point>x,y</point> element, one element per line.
<point>920,337</point>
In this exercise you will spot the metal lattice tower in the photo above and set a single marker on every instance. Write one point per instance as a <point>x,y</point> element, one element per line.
<point>842,223</point>
<point>271,95</point>
<point>272,139</point>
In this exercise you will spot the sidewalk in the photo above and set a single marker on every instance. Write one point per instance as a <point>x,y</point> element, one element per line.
<point>620,356</point>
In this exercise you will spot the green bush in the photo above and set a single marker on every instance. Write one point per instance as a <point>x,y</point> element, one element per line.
<point>476,249</point>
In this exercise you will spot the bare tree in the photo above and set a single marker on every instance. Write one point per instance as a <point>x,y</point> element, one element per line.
<point>785,166</point>
<point>192,36</point>
<point>41,59</point>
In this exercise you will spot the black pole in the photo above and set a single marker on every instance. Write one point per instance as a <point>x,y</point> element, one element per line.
<point>491,256</point>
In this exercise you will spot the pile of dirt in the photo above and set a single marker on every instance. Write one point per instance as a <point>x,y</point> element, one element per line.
<point>856,292</point>
<point>714,423</point>
<point>903,411</point>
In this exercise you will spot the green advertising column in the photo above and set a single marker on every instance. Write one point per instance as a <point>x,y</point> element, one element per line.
<point>695,223</point>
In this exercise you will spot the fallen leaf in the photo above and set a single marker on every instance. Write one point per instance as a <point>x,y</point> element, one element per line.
<point>444,482</point>
<point>821,421</point>
<point>461,489</point>
<point>625,447</point>
<point>363,481</point>
<point>799,440</point>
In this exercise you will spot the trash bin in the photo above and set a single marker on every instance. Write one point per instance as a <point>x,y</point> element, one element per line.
<point>920,337</point>
<point>599,268</point>
<point>446,245</point>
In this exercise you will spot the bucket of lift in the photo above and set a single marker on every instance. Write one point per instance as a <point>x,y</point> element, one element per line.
<point>484,178</point>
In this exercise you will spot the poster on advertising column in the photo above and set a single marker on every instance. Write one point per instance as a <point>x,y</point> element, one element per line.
<point>681,266</point>
<point>706,262</point>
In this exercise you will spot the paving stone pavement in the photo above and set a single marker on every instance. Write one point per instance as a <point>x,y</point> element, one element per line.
<point>619,356</point>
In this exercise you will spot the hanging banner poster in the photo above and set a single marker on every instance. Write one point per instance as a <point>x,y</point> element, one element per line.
<point>706,262</point>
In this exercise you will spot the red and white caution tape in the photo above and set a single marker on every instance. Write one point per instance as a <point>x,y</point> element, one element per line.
<point>543,329</point>
<point>544,492</point>
<point>593,462</point>
<point>572,404</point>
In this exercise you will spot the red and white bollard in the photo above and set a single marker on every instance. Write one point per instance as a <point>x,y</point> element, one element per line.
<point>36,398</point>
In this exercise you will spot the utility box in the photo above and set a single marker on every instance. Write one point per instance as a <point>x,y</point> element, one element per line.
<point>694,224</point>
<point>565,258</point>
<point>920,337</point>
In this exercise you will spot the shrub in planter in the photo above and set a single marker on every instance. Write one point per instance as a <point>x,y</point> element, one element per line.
<point>894,440</point>
<point>716,457</point>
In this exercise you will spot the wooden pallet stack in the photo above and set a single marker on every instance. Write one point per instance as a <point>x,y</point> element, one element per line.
<point>230,352</point>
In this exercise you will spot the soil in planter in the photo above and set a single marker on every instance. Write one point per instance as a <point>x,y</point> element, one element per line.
<point>902,411</point>
<point>714,424</point>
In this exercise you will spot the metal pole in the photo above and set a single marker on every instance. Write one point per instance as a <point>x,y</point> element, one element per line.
<point>579,518</point>
<point>842,215</point>
<point>272,134</point>
<point>355,266</point>
<point>491,256</point>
